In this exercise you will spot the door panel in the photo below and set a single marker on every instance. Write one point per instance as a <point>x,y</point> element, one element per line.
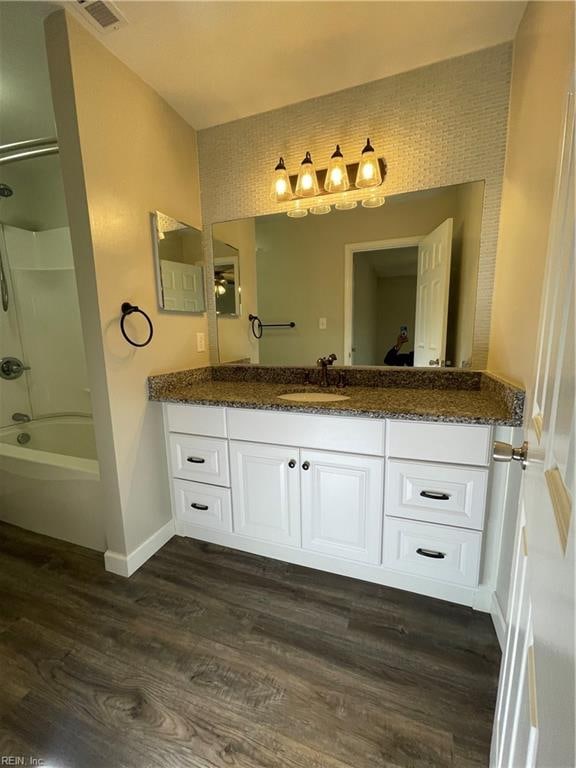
<point>342,505</point>
<point>266,492</point>
<point>432,289</point>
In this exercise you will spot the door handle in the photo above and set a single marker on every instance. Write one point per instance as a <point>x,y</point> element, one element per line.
<point>436,495</point>
<point>196,460</point>
<point>431,553</point>
<point>506,452</point>
<point>202,507</point>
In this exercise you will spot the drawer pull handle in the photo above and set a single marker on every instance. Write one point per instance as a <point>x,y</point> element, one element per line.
<point>431,553</point>
<point>436,495</point>
<point>202,507</point>
<point>196,460</point>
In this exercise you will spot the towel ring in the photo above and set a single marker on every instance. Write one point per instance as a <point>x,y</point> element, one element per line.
<point>130,309</point>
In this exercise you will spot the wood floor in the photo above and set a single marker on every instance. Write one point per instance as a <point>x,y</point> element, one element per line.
<point>208,657</point>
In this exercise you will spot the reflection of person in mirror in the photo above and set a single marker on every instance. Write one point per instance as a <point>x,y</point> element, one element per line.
<point>395,357</point>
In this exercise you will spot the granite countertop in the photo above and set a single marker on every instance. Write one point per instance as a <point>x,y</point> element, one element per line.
<point>468,397</point>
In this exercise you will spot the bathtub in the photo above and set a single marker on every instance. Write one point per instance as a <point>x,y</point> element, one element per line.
<point>50,480</point>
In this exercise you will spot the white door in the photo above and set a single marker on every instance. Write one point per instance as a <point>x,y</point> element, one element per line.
<point>432,289</point>
<point>266,491</point>
<point>535,717</point>
<point>182,286</point>
<point>342,504</point>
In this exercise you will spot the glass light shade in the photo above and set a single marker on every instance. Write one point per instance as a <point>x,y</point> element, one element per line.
<point>298,211</point>
<point>307,184</point>
<point>320,209</point>
<point>369,174</point>
<point>346,205</point>
<point>281,189</point>
<point>374,201</point>
<point>337,173</point>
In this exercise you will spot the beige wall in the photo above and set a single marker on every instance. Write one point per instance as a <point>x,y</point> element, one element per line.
<point>235,340</point>
<point>125,153</point>
<point>542,66</point>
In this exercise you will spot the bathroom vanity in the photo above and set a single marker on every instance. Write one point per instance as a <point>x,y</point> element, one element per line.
<point>390,485</point>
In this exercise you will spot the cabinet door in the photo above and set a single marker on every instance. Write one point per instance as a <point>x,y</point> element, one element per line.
<point>342,504</point>
<point>266,492</point>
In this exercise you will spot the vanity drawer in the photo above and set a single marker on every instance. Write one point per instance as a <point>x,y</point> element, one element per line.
<point>333,433</point>
<point>204,505</point>
<point>203,459</point>
<point>196,420</point>
<point>436,493</point>
<point>434,551</point>
<point>429,441</point>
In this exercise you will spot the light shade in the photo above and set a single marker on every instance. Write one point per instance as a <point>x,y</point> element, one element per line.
<point>374,201</point>
<point>307,184</point>
<point>369,174</point>
<point>281,189</point>
<point>337,173</point>
<point>320,209</point>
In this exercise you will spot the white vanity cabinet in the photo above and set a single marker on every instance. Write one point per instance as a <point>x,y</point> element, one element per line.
<point>401,503</point>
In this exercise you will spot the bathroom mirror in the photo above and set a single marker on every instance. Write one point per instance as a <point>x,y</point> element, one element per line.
<point>226,279</point>
<point>394,285</point>
<point>179,266</point>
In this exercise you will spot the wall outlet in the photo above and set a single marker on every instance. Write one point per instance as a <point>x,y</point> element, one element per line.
<point>322,323</point>
<point>200,342</point>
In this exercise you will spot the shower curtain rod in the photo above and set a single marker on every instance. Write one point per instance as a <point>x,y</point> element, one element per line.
<point>26,155</point>
<point>28,144</point>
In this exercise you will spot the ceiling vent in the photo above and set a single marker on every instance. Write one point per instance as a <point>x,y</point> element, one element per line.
<point>102,15</point>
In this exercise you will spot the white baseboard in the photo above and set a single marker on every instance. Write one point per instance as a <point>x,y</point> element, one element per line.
<point>498,620</point>
<point>126,565</point>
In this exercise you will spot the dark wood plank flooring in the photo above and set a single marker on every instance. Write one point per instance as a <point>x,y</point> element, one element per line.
<point>213,658</point>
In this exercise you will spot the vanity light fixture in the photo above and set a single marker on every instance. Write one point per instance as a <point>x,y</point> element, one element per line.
<point>307,184</point>
<point>334,190</point>
<point>369,174</point>
<point>337,173</point>
<point>281,187</point>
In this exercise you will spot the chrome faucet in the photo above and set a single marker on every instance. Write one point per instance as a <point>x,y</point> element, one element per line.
<point>323,363</point>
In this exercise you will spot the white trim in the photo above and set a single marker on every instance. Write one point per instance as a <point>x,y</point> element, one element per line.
<point>498,620</point>
<point>349,250</point>
<point>126,565</point>
<point>478,598</point>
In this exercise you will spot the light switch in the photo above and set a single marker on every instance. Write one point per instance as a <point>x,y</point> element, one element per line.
<point>200,342</point>
<point>322,323</point>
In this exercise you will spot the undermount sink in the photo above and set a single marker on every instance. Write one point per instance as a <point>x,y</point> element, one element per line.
<point>313,397</point>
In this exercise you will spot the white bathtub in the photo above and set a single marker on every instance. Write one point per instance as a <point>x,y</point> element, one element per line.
<point>51,484</point>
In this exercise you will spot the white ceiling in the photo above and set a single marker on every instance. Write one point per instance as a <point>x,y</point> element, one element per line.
<point>219,61</point>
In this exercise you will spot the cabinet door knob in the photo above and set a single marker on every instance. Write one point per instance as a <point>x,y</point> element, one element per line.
<point>292,463</point>
<point>306,465</point>
<point>196,460</point>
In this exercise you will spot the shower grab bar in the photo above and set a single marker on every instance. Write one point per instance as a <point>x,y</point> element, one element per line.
<point>28,144</point>
<point>3,282</point>
<point>47,416</point>
<point>26,155</point>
